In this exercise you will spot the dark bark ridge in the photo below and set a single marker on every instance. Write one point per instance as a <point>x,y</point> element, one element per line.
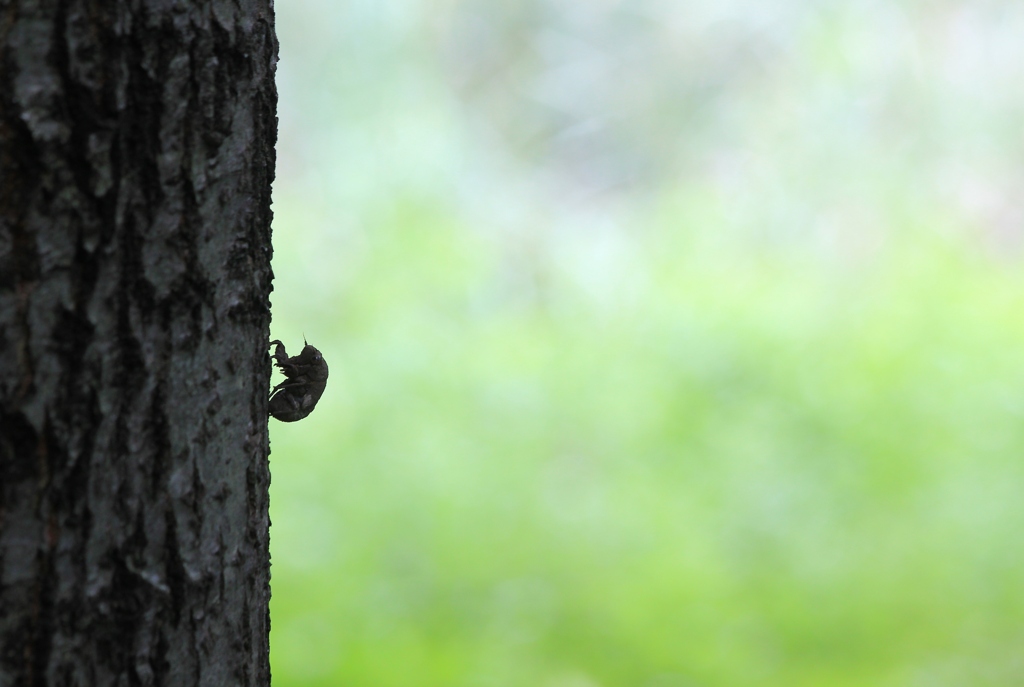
<point>136,158</point>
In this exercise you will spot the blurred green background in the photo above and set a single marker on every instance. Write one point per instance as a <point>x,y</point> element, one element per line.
<point>672,344</point>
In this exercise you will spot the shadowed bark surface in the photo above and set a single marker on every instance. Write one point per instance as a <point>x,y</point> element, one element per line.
<point>136,157</point>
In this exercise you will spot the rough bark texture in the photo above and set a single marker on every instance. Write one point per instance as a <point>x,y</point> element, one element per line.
<point>136,156</point>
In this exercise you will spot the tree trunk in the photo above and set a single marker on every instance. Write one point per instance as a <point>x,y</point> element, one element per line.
<point>136,156</point>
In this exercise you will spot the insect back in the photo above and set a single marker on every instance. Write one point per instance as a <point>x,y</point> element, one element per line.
<point>304,384</point>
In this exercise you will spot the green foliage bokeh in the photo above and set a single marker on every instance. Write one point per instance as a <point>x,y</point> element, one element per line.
<point>669,347</point>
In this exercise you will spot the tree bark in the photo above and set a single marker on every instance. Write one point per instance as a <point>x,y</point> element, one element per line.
<point>136,157</point>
